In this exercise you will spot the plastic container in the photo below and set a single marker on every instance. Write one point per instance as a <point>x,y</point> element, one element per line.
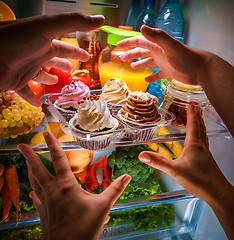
<point>171,19</point>
<point>110,64</point>
<point>147,16</point>
<point>92,45</point>
<point>177,98</point>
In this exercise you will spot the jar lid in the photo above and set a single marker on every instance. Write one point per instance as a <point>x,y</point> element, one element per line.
<point>115,35</point>
<point>189,93</point>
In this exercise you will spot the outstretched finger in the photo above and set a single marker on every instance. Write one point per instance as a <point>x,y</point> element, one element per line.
<point>192,127</point>
<point>135,53</point>
<point>51,26</point>
<point>27,94</point>
<point>59,159</point>
<point>156,76</point>
<point>136,42</point>
<point>60,63</point>
<point>147,62</point>
<point>66,50</point>
<point>113,192</point>
<point>203,133</point>
<point>46,78</point>
<point>157,161</point>
<point>35,165</point>
<point>158,36</point>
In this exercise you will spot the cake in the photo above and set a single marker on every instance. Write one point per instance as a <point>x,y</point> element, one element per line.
<point>70,96</point>
<point>93,119</point>
<point>141,108</point>
<point>140,115</point>
<point>116,91</point>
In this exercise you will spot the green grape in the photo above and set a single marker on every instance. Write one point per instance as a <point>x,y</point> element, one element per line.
<point>12,123</point>
<point>1,116</point>
<point>1,101</point>
<point>17,117</point>
<point>22,112</point>
<point>4,123</point>
<point>25,119</point>
<point>7,97</point>
<point>5,111</point>
<point>15,111</point>
<point>19,124</point>
<point>14,131</point>
<point>8,116</point>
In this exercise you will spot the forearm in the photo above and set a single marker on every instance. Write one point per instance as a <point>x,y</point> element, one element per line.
<point>217,79</point>
<point>223,207</point>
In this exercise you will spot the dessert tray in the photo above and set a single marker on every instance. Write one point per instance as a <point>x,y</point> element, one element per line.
<point>102,139</point>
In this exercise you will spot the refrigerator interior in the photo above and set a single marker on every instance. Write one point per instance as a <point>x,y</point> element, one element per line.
<point>208,26</point>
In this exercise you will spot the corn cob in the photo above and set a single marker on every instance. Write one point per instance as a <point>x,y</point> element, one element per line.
<point>174,147</point>
<point>160,149</point>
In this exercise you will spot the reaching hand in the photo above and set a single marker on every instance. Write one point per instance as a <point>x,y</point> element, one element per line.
<point>29,44</point>
<point>175,59</point>
<point>197,171</point>
<point>66,210</point>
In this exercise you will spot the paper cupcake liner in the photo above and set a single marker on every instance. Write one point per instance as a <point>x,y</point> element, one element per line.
<point>93,140</point>
<point>67,114</point>
<point>138,131</point>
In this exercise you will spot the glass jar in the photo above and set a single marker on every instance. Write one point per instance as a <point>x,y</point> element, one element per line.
<point>177,98</point>
<point>110,65</point>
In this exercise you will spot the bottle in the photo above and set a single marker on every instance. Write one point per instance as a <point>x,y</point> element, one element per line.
<point>111,65</point>
<point>92,45</point>
<point>171,19</point>
<point>147,16</point>
<point>71,38</point>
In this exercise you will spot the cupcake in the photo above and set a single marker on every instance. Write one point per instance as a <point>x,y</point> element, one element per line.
<point>140,115</point>
<point>93,123</point>
<point>71,94</point>
<point>116,93</point>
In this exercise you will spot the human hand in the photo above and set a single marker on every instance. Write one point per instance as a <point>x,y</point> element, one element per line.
<point>195,169</point>
<point>66,210</point>
<point>28,44</point>
<point>175,59</point>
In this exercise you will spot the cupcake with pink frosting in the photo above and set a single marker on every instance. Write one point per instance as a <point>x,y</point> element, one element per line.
<point>70,96</point>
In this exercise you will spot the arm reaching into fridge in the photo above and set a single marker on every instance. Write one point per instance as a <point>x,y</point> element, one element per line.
<point>196,170</point>
<point>187,65</point>
<point>66,210</point>
<point>29,44</point>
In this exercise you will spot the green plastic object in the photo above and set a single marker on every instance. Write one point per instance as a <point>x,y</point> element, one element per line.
<point>115,35</point>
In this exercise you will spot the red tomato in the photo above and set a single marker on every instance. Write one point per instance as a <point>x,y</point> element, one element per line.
<point>36,87</point>
<point>63,79</point>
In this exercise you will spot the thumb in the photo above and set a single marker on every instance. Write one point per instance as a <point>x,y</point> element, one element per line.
<point>156,160</point>
<point>113,192</point>
<point>161,38</point>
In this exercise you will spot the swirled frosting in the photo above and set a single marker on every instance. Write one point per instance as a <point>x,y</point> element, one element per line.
<point>72,94</point>
<point>93,115</point>
<point>141,108</point>
<point>116,91</point>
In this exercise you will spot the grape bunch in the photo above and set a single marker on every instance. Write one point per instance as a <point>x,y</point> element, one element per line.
<point>17,116</point>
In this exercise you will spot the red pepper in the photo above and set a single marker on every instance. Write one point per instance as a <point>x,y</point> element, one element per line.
<point>92,183</point>
<point>63,79</point>
<point>81,75</point>
<point>106,172</point>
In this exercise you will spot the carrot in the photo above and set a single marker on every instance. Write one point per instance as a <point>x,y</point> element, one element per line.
<point>6,201</point>
<point>2,167</point>
<point>13,184</point>
<point>1,182</point>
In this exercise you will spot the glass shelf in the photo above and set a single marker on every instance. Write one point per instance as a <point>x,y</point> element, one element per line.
<point>215,127</point>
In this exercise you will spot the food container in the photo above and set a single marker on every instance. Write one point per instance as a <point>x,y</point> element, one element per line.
<point>177,98</point>
<point>101,140</point>
<point>110,65</point>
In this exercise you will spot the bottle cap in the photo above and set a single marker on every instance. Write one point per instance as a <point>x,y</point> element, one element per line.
<point>115,35</point>
<point>95,30</point>
<point>129,28</point>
